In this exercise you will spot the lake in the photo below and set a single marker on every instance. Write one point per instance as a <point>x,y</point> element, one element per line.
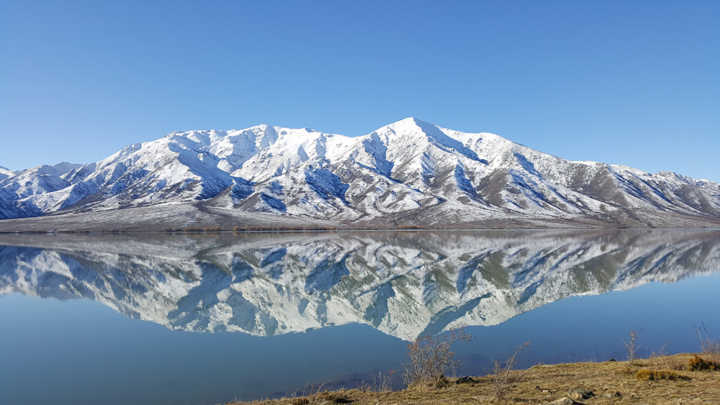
<point>208,318</point>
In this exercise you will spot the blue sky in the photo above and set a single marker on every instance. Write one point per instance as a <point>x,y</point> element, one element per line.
<point>636,82</point>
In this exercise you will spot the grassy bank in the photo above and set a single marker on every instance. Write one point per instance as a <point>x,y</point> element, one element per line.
<point>678,379</point>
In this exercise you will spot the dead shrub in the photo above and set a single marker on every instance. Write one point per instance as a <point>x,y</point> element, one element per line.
<point>385,381</point>
<point>382,382</point>
<point>709,345</point>
<point>504,374</point>
<point>659,358</point>
<point>431,357</point>
<point>442,382</point>
<point>631,346</point>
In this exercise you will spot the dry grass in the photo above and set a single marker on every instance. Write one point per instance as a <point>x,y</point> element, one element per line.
<point>664,362</point>
<point>609,383</point>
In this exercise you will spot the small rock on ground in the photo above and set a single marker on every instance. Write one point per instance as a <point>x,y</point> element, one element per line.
<point>465,380</point>
<point>580,393</point>
<point>564,401</point>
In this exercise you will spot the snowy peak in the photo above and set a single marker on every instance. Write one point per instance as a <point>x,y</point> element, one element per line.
<point>413,132</point>
<point>5,172</point>
<point>407,173</point>
<point>409,127</point>
<point>41,179</point>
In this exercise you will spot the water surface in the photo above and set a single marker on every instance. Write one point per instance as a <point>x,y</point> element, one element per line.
<point>210,318</point>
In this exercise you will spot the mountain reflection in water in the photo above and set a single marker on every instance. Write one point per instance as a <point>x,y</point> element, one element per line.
<point>405,284</point>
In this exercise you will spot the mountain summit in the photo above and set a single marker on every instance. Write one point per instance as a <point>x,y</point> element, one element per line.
<point>408,173</point>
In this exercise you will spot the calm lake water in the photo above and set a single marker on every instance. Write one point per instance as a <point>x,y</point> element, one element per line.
<point>205,319</point>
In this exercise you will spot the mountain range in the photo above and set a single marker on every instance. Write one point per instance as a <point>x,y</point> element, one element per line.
<point>406,174</point>
<point>402,284</point>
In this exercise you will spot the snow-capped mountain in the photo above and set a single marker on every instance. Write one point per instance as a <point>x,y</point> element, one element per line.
<point>5,172</point>
<point>399,283</point>
<point>407,173</point>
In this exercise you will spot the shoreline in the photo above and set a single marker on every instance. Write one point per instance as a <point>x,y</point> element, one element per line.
<point>236,230</point>
<point>655,380</point>
<point>201,218</point>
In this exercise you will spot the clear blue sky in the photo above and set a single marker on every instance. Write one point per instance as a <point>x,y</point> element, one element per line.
<point>635,82</point>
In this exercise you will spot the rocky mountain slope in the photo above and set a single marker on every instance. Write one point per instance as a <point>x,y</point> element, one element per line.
<point>409,173</point>
<point>404,284</point>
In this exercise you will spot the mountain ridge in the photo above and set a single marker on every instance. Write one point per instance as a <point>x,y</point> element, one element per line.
<point>407,173</point>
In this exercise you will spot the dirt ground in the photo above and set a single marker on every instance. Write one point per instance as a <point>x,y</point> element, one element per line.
<point>659,380</point>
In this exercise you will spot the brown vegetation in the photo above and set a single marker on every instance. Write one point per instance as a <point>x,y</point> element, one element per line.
<point>504,374</point>
<point>709,345</point>
<point>645,381</point>
<point>631,346</point>
<point>431,358</point>
<point>697,363</point>
<point>657,375</point>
